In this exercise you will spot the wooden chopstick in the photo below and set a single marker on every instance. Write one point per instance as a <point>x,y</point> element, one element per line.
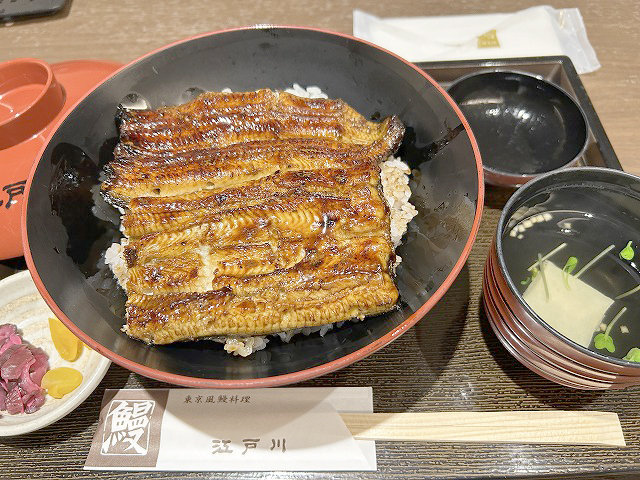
<point>558,427</point>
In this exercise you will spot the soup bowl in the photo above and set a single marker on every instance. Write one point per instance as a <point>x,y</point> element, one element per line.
<point>524,124</point>
<point>579,210</point>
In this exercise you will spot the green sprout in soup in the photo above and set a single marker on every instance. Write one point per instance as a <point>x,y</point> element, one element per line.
<point>627,253</point>
<point>535,264</point>
<point>534,274</point>
<point>603,340</point>
<point>594,260</point>
<point>567,269</point>
<point>633,355</point>
<point>544,279</point>
<point>630,292</point>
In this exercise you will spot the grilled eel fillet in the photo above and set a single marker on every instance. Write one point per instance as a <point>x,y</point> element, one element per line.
<point>251,213</point>
<point>215,120</point>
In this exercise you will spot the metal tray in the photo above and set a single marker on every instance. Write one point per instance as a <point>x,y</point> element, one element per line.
<point>558,70</point>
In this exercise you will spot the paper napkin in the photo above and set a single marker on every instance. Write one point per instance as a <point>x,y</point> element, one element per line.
<point>285,429</point>
<point>536,31</point>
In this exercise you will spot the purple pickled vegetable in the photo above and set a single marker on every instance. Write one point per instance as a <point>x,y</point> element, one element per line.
<point>22,367</point>
<point>41,365</point>
<point>14,365</point>
<point>26,384</point>
<point>6,331</point>
<point>8,337</point>
<point>10,342</point>
<point>34,402</point>
<point>14,401</point>
<point>8,352</point>
<point>11,384</point>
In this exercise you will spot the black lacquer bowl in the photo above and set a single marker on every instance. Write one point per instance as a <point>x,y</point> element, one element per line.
<point>525,125</point>
<point>67,226</point>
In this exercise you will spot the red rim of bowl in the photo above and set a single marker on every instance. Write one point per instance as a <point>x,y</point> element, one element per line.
<point>301,375</point>
<point>533,365</point>
<point>537,362</point>
<point>520,331</point>
<point>557,359</point>
<point>572,373</point>
<point>508,287</point>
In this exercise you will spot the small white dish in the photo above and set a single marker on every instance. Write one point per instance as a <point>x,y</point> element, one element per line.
<point>21,304</point>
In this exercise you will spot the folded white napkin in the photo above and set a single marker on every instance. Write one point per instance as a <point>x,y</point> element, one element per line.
<point>536,31</point>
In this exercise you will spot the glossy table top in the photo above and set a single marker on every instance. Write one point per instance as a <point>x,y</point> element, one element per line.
<point>451,360</point>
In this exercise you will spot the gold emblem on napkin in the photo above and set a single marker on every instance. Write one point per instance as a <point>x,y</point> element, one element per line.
<point>488,40</point>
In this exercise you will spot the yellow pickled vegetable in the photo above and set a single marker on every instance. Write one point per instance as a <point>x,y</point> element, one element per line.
<point>60,381</point>
<point>66,343</point>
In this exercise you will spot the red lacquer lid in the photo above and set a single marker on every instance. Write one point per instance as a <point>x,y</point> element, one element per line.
<point>33,97</point>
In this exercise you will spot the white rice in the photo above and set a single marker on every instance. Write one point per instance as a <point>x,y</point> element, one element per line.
<point>243,346</point>
<point>395,187</point>
<point>114,257</point>
<point>309,92</point>
<point>394,175</point>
